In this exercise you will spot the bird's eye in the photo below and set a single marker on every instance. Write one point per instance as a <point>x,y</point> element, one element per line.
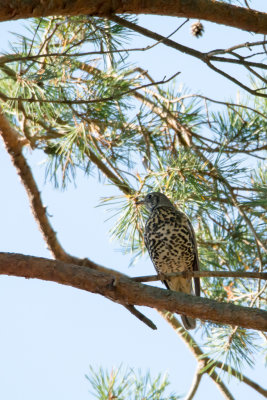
<point>149,196</point>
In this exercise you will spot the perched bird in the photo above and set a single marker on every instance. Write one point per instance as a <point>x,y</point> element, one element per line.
<point>171,243</point>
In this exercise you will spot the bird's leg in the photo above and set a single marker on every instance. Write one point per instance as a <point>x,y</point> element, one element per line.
<point>186,274</point>
<point>161,276</point>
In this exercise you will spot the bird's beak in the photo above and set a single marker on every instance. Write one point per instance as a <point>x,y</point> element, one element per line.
<point>139,202</point>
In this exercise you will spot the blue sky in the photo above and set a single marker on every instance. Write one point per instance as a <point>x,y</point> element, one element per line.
<point>50,333</point>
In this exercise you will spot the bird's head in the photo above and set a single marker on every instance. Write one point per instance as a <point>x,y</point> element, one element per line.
<point>154,200</point>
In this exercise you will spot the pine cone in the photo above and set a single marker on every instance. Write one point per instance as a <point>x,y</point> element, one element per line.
<point>197,29</point>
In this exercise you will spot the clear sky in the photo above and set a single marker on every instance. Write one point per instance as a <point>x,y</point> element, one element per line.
<point>50,333</point>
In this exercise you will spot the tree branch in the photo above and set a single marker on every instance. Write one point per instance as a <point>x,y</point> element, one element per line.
<point>91,155</point>
<point>214,11</point>
<point>195,384</point>
<point>200,274</point>
<point>14,145</point>
<point>218,176</point>
<point>244,378</point>
<point>183,134</point>
<point>221,386</point>
<point>202,360</point>
<point>198,353</point>
<point>122,185</point>
<point>141,316</point>
<point>78,101</point>
<point>10,58</point>
<point>227,104</point>
<point>124,291</point>
<point>204,57</point>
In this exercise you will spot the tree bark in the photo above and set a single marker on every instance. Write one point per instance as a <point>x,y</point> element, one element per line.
<point>214,11</point>
<point>14,145</point>
<point>125,291</point>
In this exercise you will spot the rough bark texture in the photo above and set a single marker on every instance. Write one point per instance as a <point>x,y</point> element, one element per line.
<point>124,291</point>
<point>210,10</point>
<point>14,147</point>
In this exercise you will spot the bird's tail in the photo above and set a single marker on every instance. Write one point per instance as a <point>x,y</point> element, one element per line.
<point>188,322</point>
<point>185,286</point>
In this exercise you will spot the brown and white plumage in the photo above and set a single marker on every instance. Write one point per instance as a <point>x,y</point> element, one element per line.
<point>171,243</point>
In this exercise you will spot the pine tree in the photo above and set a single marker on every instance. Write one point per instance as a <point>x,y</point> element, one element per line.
<point>69,89</point>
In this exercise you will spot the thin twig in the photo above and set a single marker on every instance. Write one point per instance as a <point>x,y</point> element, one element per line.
<point>195,383</point>
<point>97,100</point>
<point>201,274</point>
<point>141,316</point>
<point>259,243</point>
<point>10,58</point>
<point>227,104</point>
<point>237,47</point>
<point>204,57</point>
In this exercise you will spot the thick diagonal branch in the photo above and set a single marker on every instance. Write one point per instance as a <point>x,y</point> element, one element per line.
<point>124,291</point>
<point>14,146</point>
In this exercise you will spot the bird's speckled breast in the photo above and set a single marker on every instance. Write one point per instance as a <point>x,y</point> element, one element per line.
<point>168,240</point>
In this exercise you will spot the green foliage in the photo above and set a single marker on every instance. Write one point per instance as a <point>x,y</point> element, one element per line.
<point>234,347</point>
<point>69,92</point>
<point>128,385</point>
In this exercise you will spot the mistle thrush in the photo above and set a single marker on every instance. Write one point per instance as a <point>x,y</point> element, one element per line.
<point>171,243</point>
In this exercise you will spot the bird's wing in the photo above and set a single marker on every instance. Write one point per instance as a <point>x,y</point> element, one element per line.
<point>196,260</point>
<point>148,249</point>
<point>147,244</point>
